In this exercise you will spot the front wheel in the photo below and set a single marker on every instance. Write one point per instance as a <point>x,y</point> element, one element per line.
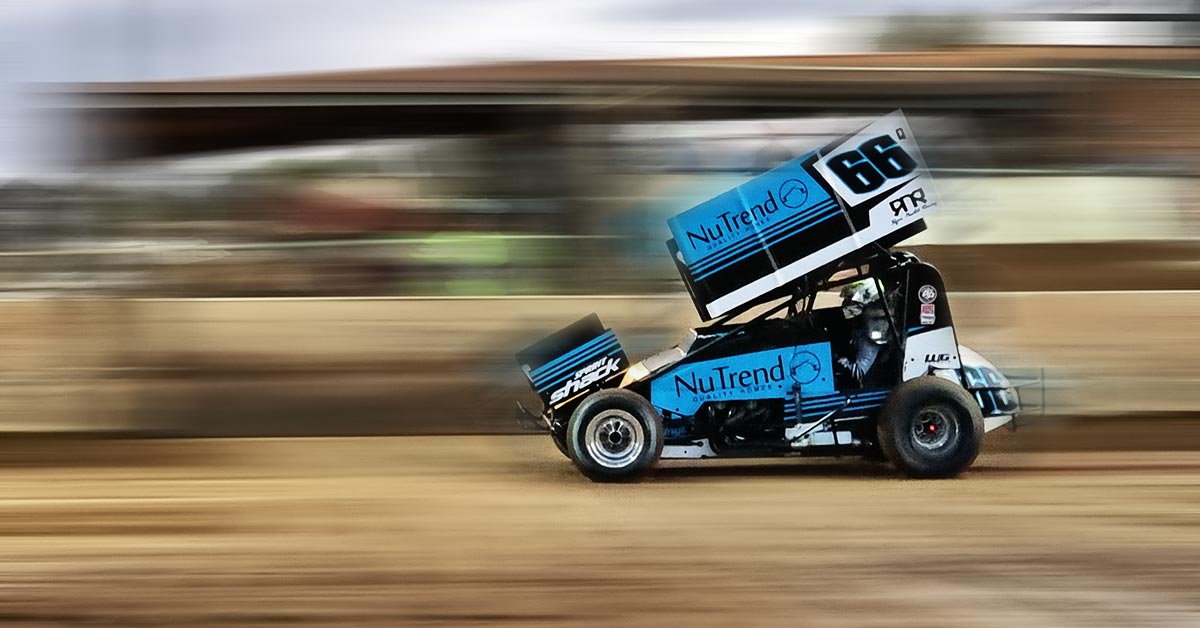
<point>614,435</point>
<point>930,428</point>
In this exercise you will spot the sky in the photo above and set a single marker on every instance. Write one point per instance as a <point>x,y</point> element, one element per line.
<point>124,40</point>
<point>139,39</point>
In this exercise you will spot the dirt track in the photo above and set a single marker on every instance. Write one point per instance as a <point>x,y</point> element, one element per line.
<point>500,531</point>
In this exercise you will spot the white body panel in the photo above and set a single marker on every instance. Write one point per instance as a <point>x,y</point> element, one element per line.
<point>972,358</point>
<point>935,349</point>
<point>992,422</point>
<point>699,450</point>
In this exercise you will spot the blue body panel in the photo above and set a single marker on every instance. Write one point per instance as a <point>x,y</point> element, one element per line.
<point>747,219</point>
<point>769,374</point>
<point>857,404</point>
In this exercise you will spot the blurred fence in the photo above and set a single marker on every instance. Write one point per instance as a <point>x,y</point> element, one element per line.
<point>1096,230</point>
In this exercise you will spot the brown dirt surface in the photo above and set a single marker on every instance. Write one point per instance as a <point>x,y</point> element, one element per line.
<point>501,531</point>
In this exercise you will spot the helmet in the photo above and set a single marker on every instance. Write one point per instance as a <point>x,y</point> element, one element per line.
<point>856,296</point>
<point>861,300</point>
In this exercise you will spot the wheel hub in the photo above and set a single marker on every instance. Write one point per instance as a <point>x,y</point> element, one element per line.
<point>614,439</point>
<point>934,428</point>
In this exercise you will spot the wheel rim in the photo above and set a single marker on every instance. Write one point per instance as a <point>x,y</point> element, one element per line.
<point>614,439</point>
<point>934,429</point>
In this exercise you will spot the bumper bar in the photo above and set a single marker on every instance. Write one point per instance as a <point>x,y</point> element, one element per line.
<point>529,421</point>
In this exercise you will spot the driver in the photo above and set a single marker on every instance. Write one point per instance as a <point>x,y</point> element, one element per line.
<point>863,307</point>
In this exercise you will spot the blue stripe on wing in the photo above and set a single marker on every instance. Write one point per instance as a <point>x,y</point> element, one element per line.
<point>750,241</point>
<point>571,356</point>
<point>568,374</point>
<point>830,214</point>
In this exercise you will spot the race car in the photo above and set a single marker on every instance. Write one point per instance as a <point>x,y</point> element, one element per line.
<point>878,373</point>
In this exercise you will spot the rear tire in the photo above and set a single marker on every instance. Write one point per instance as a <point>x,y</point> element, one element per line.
<point>614,435</point>
<point>930,428</point>
<point>560,441</point>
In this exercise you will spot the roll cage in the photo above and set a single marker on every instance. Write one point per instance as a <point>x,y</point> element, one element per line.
<point>800,300</point>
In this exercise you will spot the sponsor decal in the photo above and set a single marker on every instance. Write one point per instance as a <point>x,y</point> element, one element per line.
<point>931,358</point>
<point>983,377</point>
<point>770,374</point>
<point>909,204</point>
<point>805,367</point>
<point>675,431</point>
<point>928,314</point>
<point>927,294</point>
<point>793,193</point>
<point>725,381</point>
<point>771,206</point>
<point>585,377</point>
<point>731,223</point>
<point>993,401</point>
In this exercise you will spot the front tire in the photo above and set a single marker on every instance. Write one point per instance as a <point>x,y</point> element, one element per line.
<point>614,435</point>
<point>930,428</point>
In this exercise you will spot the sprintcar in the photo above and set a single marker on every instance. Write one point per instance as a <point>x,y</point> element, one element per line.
<point>776,372</point>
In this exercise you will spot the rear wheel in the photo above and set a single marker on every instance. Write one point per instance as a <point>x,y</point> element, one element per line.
<point>614,435</point>
<point>930,428</point>
<point>559,436</point>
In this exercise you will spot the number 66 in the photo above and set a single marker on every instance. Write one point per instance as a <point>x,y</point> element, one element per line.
<point>876,160</point>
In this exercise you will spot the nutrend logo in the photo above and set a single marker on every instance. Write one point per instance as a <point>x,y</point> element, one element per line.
<point>793,193</point>
<point>726,380</point>
<point>731,223</point>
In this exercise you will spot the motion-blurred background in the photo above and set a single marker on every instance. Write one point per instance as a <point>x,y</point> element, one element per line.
<point>270,217</point>
<point>342,217</point>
